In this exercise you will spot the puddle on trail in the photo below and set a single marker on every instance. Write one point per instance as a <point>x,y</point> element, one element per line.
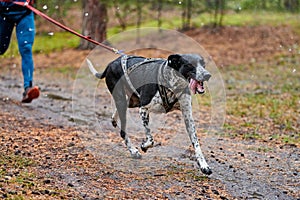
<point>57,97</point>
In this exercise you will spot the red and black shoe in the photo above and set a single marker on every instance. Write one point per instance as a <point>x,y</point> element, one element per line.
<point>30,94</point>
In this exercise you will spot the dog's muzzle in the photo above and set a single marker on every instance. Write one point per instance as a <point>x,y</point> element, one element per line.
<point>197,87</point>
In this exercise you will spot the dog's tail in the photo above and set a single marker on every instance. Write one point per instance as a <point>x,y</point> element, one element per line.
<point>93,70</point>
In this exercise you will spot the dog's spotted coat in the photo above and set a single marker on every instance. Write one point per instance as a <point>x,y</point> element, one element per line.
<point>174,74</point>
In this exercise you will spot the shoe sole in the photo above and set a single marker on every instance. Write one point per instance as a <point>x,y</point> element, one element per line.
<point>33,93</point>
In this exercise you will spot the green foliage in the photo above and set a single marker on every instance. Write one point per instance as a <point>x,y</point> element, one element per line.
<point>201,15</point>
<point>269,5</point>
<point>126,11</point>
<point>56,8</point>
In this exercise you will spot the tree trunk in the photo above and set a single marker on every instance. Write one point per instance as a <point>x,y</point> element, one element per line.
<point>222,11</point>
<point>94,21</point>
<point>159,13</point>
<point>186,14</point>
<point>139,19</point>
<point>189,13</point>
<point>121,19</point>
<point>219,12</point>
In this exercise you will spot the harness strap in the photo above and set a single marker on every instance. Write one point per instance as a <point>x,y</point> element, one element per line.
<point>127,71</point>
<point>124,67</point>
<point>147,60</point>
<point>163,93</point>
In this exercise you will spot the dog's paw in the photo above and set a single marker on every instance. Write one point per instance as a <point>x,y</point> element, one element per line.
<point>114,123</point>
<point>144,149</point>
<point>146,145</point>
<point>206,171</point>
<point>135,154</point>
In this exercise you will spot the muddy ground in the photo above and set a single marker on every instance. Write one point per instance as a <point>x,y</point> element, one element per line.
<point>48,152</point>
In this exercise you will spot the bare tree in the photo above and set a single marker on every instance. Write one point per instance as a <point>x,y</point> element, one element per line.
<point>159,13</point>
<point>138,19</point>
<point>292,5</point>
<point>94,22</point>
<point>121,16</point>
<point>186,14</point>
<point>219,12</point>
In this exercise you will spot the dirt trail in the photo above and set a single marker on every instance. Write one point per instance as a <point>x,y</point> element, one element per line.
<point>80,155</point>
<point>239,167</point>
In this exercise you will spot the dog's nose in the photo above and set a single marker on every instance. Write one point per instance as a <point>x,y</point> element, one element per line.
<point>206,76</point>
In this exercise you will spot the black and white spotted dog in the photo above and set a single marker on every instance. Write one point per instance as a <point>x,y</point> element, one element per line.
<point>156,85</point>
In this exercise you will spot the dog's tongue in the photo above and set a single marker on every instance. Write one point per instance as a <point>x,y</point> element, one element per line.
<point>193,85</point>
<point>196,86</point>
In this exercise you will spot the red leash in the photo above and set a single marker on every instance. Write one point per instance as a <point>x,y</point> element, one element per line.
<point>27,5</point>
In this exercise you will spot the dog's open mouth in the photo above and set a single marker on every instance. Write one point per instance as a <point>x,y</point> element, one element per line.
<point>197,87</point>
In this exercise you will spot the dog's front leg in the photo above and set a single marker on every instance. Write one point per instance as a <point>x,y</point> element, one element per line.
<point>144,114</point>
<point>186,108</point>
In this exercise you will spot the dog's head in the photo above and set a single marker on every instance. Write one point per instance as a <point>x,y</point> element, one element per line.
<point>192,67</point>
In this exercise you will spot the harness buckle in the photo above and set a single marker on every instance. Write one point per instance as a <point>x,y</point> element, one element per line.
<point>26,3</point>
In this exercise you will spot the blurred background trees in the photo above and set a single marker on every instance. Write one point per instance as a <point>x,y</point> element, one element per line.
<point>97,13</point>
<point>94,21</point>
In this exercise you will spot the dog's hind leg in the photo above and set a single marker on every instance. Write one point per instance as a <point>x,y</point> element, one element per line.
<point>186,108</point>
<point>114,118</point>
<point>121,105</point>
<point>144,114</point>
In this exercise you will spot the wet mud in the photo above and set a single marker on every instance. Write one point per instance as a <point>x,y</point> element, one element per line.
<point>239,167</point>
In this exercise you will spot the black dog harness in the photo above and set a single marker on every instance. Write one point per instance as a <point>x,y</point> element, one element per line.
<point>164,92</point>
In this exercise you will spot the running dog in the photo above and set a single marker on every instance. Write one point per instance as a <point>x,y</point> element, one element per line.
<point>156,85</point>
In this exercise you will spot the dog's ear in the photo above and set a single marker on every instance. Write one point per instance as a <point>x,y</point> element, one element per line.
<point>174,61</point>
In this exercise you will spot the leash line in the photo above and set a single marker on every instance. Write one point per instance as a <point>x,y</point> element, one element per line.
<point>36,11</point>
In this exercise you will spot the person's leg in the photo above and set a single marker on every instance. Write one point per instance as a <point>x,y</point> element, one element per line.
<point>25,31</point>
<point>6,28</point>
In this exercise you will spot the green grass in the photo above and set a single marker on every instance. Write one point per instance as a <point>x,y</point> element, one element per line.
<point>256,18</point>
<point>14,161</point>
<point>17,178</point>
<point>265,100</point>
<point>46,43</point>
<point>253,92</point>
<point>246,18</point>
<point>57,41</point>
<point>17,164</point>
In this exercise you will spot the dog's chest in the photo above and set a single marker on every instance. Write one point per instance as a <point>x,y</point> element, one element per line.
<point>157,105</point>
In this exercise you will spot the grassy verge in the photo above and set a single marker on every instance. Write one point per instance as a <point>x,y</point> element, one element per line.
<point>46,43</point>
<point>263,101</point>
<point>256,18</point>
